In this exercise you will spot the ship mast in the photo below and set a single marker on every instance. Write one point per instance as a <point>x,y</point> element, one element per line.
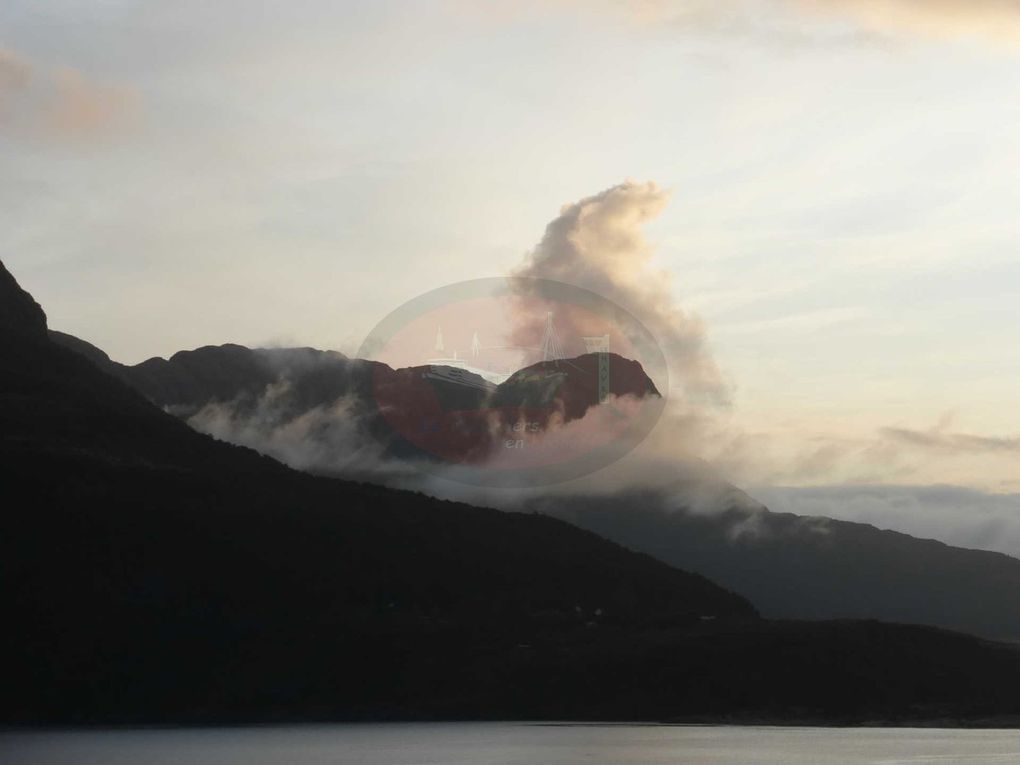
<point>550,342</point>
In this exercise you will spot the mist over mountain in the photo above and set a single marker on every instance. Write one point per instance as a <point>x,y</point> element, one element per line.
<point>805,567</point>
<point>152,574</point>
<point>790,566</point>
<point>319,410</point>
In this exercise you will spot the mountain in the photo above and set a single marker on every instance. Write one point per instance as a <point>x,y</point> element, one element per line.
<point>573,384</point>
<point>153,571</point>
<point>788,566</point>
<point>190,380</point>
<point>795,567</point>
<point>152,574</point>
<point>430,412</point>
<point>20,315</point>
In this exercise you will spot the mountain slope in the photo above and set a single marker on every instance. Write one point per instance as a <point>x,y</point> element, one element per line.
<point>789,567</point>
<point>794,567</point>
<point>151,570</point>
<point>20,315</point>
<point>152,574</point>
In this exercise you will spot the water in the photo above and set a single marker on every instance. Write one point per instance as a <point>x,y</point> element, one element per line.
<point>512,744</point>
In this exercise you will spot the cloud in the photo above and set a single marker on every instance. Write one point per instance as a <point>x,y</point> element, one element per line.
<point>598,243</point>
<point>15,72</point>
<point>81,108</point>
<point>803,20</point>
<point>326,439</point>
<point>951,442</point>
<point>59,104</point>
<point>15,75</point>
<point>886,455</point>
<point>997,20</point>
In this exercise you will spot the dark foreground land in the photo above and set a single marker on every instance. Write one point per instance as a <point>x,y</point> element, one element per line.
<point>149,574</point>
<point>790,567</point>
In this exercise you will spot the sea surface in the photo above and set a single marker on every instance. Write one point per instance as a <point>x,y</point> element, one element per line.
<point>510,744</point>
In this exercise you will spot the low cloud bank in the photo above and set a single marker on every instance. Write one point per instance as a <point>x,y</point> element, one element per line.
<point>328,438</point>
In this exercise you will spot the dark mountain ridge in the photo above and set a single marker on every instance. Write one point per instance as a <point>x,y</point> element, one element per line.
<point>795,567</point>
<point>152,574</point>
<point>20,315</point>
<point>789,567</point>
<point>189,380</point>
<point>421,412</point>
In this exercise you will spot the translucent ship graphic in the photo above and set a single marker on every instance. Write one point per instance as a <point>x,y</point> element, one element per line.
<point>482,382</point>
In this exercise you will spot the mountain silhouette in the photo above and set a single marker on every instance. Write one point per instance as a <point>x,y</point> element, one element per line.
<point>789,567</point>
<point>430,412</point>
<point>795,567</point>
<point>153,574</point>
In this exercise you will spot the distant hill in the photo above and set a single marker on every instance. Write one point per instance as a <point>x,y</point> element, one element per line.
<point>152,574</point>
<point>795,567</point>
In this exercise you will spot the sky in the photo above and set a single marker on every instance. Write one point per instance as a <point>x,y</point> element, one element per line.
<point>835,191</point>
